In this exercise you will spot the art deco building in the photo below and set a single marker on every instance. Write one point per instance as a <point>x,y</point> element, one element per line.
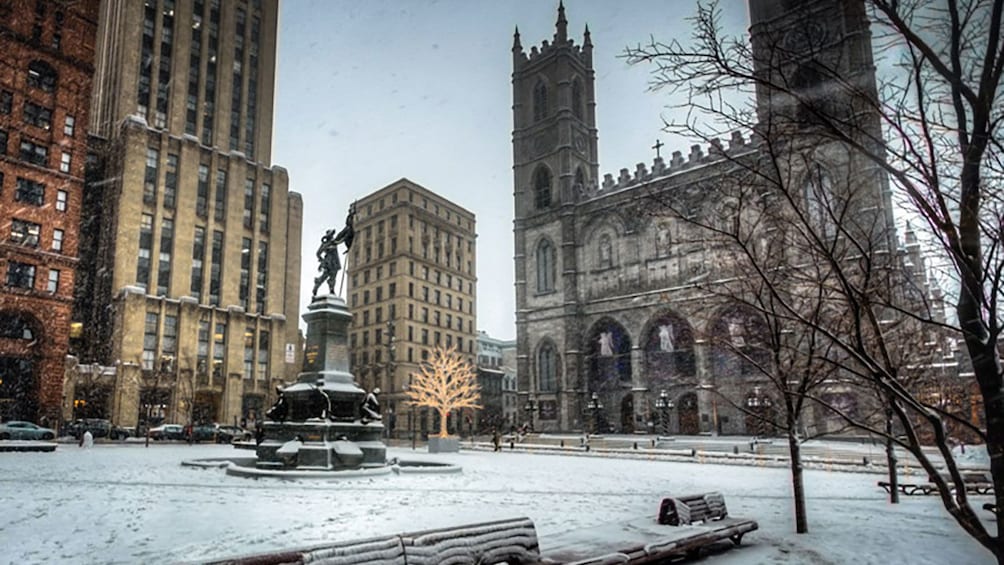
<point>46,65</point>
<point>193,296</point>
<point>412,286</point>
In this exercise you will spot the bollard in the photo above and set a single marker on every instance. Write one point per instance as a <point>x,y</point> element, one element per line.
<point>653,443</point>
<point>587,447</point>
<point>735,450</point>
<point>512,445</point>
<point>693,452</point>
<point>562,443</point>
<point>864,461</point>
<point>636,445</point>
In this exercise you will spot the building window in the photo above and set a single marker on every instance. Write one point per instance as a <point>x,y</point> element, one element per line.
<point>219,343</point>
<point>3,142</point>
<point>220,210</point>
<point>215,267</point>
<point>166,247</point>
<point>545,266</point>
<point>202,194</point>
<point>34,153</point>
<point>542,189</point>
<point>245,271</point>
<point>57,240</point>
<point>263,344</point>
<point>203,346</point>
<point>248,202</point>
<point>820,202</point>
<point>69,126</point>
<point>169,339</point>
<point>61,198</point>
<point>171,181</point>
<point>263,210</point>
<point>198,253</point>
<point>546,368</point>
<point>150,340</point>
<point>38,116</point>
<point>261,278</point>
<point>29,192</point>
<point>64,162</point>
<point>6,101</point>
<point>539,101</point>
<point>20,275</point>
<point>41,75</point>
<point>577,98</point>
<point>150,176</point>
<point>145,250</point>
<point>24,233</point>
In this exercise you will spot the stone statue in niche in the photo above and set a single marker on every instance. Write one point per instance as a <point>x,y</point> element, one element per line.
<point>606,342</point>
<point>666,338</point>
<point>606,251</point>
<point>662,241</point>
<point>736,333</point>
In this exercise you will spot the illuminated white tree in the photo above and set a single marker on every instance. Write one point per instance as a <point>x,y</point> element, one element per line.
<point>446,382</point>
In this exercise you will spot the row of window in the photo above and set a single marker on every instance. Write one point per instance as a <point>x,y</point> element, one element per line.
<point>160,343</point>
<point>23,232</point>
<point>541,99</point>
<point>22,275</point>
<point>443,212</point>
<point>32,193</point>
<point>36,152</point>
<point>361,361</point>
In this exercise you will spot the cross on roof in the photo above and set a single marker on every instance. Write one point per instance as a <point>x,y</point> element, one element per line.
<point>657,147</point>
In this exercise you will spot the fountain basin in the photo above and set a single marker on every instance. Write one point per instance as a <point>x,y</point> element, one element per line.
<point>248,467</point>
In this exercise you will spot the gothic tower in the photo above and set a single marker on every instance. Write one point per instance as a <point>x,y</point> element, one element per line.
<point>555,158</point>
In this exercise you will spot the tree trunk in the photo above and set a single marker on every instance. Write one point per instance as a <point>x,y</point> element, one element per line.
<point>891,462</point>
<point>443,431</point>
<point>797,482</point>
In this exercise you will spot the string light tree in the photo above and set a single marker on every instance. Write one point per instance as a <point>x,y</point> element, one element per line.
<point>446,382</point>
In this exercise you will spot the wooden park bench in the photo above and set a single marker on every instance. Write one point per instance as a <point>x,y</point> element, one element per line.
<point>506,541</point>
<point>685,525</point>
<point>976,482</point>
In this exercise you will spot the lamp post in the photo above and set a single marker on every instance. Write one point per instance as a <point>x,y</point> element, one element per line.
<point>595,406</point>
<point>664,404</point>
<point>530,407</point>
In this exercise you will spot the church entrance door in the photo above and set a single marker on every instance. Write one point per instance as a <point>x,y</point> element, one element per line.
<point>689,421</point>
<point>627,415</point>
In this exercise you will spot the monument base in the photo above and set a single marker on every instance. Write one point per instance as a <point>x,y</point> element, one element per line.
<point>444,445</point>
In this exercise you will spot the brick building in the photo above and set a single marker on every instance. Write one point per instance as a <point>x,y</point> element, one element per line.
<point>193,292</point>
<point>46,65</point>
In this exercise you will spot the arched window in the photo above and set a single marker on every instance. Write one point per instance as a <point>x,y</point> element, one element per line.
<point>545,266</point>
<point>41,75</point>
<point>547,368</point>
<point>577,99</point>
<point>819,201</point>
<point>539,101</point>
<point>542,189</point>
<point>15,326</point>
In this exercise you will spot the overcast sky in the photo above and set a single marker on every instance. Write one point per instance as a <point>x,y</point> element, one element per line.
<point>370,92</point>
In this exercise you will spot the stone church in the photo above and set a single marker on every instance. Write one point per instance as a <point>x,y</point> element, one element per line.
<point>613,334</point>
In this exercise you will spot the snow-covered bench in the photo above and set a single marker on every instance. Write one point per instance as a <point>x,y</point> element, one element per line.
<point>977,482</point>
<point>685,525</point>
<point>506,541</point>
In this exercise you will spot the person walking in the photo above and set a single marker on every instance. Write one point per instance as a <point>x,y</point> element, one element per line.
<point>496,439</point>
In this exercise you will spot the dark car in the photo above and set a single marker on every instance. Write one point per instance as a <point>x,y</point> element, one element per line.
<point>167,431</point>
<point>204,432</point>
<point>98,427</point>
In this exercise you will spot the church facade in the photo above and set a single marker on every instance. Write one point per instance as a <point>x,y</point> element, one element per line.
<point>616,329</point>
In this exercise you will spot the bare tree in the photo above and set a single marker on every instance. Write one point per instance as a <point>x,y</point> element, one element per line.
<point>930,128</point>
<point>445,383</point>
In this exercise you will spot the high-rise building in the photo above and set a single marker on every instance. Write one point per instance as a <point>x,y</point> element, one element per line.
<point>45,86</point>
<point>412,286</point>
<point>193,291</point>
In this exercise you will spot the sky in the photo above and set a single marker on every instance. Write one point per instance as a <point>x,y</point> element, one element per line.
<point>370,92</point>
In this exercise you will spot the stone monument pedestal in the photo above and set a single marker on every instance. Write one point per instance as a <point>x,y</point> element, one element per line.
<point>321,429</point>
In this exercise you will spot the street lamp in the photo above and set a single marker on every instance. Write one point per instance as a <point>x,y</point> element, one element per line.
<point>664,404</point>
<point>530,407</point>
<point>595,406</point>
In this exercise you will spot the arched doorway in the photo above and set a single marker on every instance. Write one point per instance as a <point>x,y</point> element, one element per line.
<point>688,414</point>
<point>739,346</point>
<point>20,332</point>
<point>627,414</point>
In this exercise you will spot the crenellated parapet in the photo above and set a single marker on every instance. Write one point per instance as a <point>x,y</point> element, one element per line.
<point>716,150</point>
<point>560,42</point>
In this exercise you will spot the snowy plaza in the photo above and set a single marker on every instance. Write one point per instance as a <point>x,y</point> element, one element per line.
<point>123,503</point>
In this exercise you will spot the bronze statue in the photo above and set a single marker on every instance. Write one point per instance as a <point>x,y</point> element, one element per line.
<point>327,253</point>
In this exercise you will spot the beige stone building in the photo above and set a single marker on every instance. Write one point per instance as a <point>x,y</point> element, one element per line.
<point>194,243</point>
<point>412,286</point>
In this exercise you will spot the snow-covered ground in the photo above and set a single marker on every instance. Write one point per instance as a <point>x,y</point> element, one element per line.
<point>129,504</point>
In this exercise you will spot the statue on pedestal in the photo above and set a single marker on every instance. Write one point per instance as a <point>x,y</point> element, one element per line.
<point>327,253</point>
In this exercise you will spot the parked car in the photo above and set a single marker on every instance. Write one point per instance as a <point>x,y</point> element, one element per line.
<point>16,429</point>
<point>98,427</point>
<point>167,431</point>
<point>204,432</point>
<point>229,434</point>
